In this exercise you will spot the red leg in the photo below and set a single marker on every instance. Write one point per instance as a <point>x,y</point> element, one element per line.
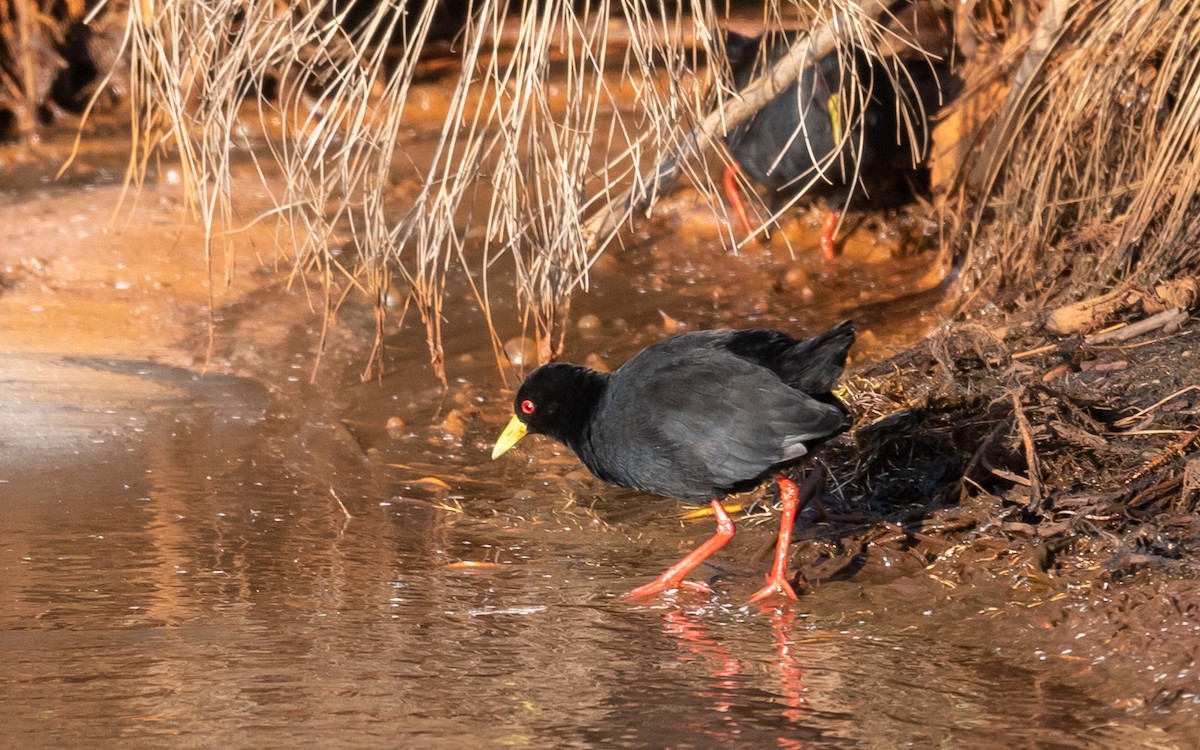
<point>734,193</point>
<point>828,230</point>
<point>789,495</point>
<point>674,575</point>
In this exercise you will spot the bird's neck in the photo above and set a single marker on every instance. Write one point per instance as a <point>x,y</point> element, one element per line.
<point>587,388</point>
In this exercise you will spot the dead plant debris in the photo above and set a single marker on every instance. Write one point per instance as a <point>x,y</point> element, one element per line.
<point>968,462</point>
<point>966,421</point>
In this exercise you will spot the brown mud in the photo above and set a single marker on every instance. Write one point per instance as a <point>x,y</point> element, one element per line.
<point>207,537</point>
<point>1066,468</point>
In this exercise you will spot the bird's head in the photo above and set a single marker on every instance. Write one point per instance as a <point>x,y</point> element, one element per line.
<point>556,400</point>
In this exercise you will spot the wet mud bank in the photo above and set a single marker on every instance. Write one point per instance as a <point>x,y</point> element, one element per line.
<point>1063,467</point>
<point>1088,561</point>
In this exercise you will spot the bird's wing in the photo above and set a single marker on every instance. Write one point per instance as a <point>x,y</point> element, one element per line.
<point>720,419</point>
<point>811,365</point>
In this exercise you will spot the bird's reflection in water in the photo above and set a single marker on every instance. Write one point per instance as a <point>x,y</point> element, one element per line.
<point>726,691</point>
<point>791,674</point>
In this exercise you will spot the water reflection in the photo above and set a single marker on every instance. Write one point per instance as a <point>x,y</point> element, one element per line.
<point>234,612</point>
<point>729,678</point>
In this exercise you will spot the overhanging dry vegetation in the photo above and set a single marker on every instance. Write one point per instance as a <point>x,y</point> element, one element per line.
<point>533,174</point>
<point>513,168</point>
<point>1089,179</point>
<point>1070,169</point>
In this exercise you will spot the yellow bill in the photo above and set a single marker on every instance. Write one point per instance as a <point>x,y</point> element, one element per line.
<point>512,434</point>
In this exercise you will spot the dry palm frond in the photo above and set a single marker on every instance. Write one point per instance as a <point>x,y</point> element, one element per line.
<point>1097,179</point>
<point>546,150</point>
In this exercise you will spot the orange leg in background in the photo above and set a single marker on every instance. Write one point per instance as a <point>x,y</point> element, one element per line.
<point>828,230</point>
<point>734,193</point>
<point>789,496</point>
<point>673,577</point>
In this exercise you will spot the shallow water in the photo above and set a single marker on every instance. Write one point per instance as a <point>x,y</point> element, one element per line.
<point>232,556</point>
<point>209,596</point>
<point>203,561</point>
<point>206,596</point>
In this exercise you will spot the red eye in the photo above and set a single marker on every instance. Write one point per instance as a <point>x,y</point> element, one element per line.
<point>528,406</point>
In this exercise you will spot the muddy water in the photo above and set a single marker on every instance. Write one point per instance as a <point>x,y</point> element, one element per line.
<point>232,554</point>
<point>240,558</point>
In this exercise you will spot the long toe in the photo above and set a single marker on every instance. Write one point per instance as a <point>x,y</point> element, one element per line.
<point>674,576</point>
<point>775,586</point>
<point>659,586</point>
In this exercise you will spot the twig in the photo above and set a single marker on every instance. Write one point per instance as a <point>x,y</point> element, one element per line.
<point>942,527</point>
<point>983,446</point>
<point>1190,482</point>
<point>1154,322</point>
<point>340,504</point>
<point>1009,476</point>
<point>1140,433</point>
<point>1154,492</point>
<point>1170,453</point>
<point>1133,418</point>
<point>1031,457</point>
<point>1124,347</point>
<point>1034,352</point>
<point>600,228</point>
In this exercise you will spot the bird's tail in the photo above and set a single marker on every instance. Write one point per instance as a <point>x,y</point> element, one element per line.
<point>821,358</point>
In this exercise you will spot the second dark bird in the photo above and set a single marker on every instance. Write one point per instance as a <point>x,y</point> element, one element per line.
<point>833,134</point>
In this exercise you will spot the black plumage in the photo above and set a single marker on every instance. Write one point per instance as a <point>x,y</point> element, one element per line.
<point>835,132</point>
<point>796,138</point>
<point>695,417</point>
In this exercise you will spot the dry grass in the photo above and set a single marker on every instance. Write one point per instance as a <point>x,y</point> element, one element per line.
<point>30,32</point>
<point>520,192</point>
<point>566,122</point>
<point>1090,178</point>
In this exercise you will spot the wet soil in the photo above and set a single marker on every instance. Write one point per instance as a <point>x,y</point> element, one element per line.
<point>1063,466</point>
<point>205,539</point>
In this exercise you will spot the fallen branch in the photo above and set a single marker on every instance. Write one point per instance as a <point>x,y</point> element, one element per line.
<point>1167,319</point>
<point>602,226</point>
<point>1089,314</point>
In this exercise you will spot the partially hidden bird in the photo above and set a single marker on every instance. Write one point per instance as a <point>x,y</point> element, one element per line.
<point>833,133</point>
<point>697,417</point>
